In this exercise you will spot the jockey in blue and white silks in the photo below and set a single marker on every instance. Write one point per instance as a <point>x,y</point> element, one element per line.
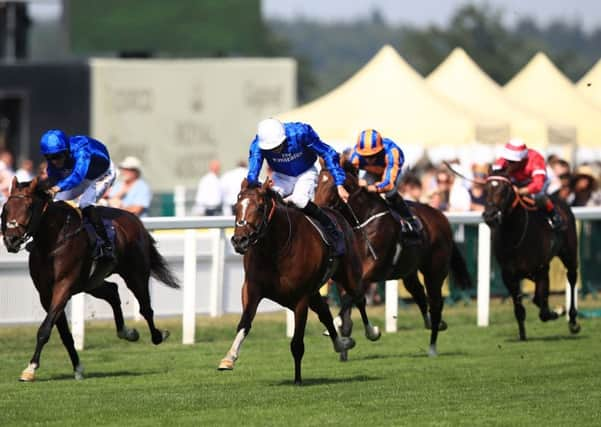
<point>291,150</point>
<point>80,166</point>
<point>383,160</point>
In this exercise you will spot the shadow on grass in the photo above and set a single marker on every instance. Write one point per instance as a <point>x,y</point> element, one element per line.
<point>113,374</point>
<point>548,338</point>
<point>308,382</point>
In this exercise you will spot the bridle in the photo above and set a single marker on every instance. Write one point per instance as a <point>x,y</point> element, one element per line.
<point>526,202</point>
<point>35,215</point>
<point>257,232</point>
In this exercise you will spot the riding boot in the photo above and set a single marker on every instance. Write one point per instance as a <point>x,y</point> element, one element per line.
<point>106,248</point>
<point>555,220</point>
<point>411,226</point>
<point>335,236</point>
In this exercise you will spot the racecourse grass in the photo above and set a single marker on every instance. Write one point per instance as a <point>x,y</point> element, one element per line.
<point>483,376</point>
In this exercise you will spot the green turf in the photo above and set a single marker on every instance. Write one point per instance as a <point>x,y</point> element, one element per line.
<point>483,376</point>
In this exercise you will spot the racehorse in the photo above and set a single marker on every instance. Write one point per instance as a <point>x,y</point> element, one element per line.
<point>287,261</point>
<point>60,262</point>
<point>524,244</point>
<point>384,255</point>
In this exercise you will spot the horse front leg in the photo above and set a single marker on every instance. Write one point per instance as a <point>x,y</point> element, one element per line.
<point>60,296</point>
<point>572,310</point>
<point>513,286</point>
<point>250,301</point>
<point>67,339</point>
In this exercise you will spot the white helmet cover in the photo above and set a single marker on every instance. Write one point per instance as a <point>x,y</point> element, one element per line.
<point>270,133</point>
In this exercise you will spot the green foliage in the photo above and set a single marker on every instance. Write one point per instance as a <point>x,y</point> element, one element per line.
<point>337,50</point>
<point>483,376</point>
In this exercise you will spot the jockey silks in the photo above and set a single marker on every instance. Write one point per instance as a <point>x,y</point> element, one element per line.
<point>88,159</point>
<point>299,153</point>
<point>387,164</point>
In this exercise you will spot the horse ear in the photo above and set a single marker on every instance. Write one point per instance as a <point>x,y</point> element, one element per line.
<point>33,184</point>
<point>267,184</point>
<point>244,184</point>
<point>13,184</point>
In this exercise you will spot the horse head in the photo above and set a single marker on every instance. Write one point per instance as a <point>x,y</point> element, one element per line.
<point>22,212</point>
<point>253,211</point>
<point>325,192</point>
<point>501,198</point>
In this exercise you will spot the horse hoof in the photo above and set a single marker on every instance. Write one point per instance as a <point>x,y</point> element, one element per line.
<point>560,310</point>
<point>78,373</point>
<point>27,377</point>
<point>226,365</point>
<point>442,326</point>
<point>28,374</point>
<point>325,333</point>
<point>574,327</point>
<point>344,356</point>
<point>432,351</point>
<point>343,343</point>
<point>373,333</point>
<point>165,334</point>
<point>128,334</point>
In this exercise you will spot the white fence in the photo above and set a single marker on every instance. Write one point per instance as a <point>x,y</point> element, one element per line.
<point>207,257</point>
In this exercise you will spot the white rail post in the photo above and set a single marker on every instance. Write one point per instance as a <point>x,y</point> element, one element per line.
<point>78,313</point>
<point>483,274</point>
<point>392,305</point>
<point>289,323</point>
<point>217,267</point>
<point>189,291</point>
<point>179,200</point>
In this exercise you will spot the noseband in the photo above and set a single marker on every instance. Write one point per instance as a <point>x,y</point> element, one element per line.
<point>526,202</point>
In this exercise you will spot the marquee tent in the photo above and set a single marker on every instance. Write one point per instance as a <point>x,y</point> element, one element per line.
<point>543,89</point>
<point>497,118</point>
<point>590,84</point>
<point>390,96</point>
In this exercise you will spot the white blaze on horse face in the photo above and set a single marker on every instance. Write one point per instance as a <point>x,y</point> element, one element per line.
<point>494,183</point>
<point>242,221</point>
<point>12,224</point>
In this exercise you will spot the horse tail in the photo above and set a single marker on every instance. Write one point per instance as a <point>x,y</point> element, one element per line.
<point>459,269</point>
<point>159,268</point>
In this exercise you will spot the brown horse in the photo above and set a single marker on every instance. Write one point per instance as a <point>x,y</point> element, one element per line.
<point>60,262</point>
<point>524,244</point>
<point>384,256</point>
<point>287,261</point>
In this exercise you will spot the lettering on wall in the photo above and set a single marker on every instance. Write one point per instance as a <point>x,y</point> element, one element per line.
<point>260,97</point>
<point>188,132</point>
<point>121,100</point>
<point>192,164</point>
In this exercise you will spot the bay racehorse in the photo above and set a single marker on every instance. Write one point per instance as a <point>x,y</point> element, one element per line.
<point>384,254</point>
<point>287,261</point>
<point>524,244</point>
<point>60,262</point>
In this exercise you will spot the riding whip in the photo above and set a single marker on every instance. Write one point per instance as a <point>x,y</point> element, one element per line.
<point>369,246</point>
<point>460,175</point>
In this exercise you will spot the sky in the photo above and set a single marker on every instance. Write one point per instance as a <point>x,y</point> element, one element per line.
<point>424,12</point>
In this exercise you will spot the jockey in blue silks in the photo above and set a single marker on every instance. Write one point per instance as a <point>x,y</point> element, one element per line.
<point>383,160</point>
<point>291,150</point>
<point>80,166</point>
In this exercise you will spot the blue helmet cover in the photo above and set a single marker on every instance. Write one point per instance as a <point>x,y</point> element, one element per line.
<point>53,141</point>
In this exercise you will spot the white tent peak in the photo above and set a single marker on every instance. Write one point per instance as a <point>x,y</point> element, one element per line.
<point>389,95</point>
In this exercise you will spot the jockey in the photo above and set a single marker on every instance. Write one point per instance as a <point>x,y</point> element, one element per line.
<point>291,150</point>
<point>527,170</point>
<point>80,166</point>
<point>382,160</point>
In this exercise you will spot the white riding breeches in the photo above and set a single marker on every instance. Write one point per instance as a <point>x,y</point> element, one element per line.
<point>296,189</point>
<point>90,190</point>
